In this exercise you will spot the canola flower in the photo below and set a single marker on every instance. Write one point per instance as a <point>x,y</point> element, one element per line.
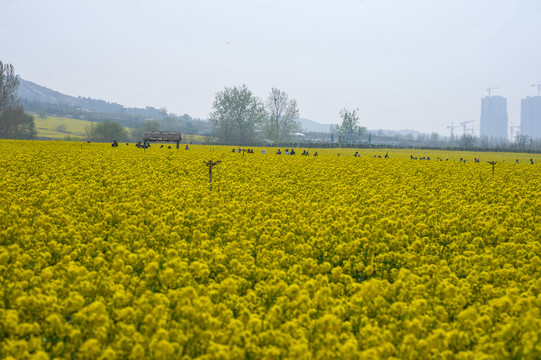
<point>125,253</point>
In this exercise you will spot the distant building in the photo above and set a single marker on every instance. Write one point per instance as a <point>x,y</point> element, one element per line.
<point>494,116</point>
<point>530,117</point>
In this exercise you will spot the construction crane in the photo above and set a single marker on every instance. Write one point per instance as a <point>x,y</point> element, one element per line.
<point>463,123</point>
<point>538,86</point>
<point>513,127</point>
<point>452,128</point>
<point>489,90</point>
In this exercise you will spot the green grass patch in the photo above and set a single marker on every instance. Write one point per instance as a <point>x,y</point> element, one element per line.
<point>60,127</point>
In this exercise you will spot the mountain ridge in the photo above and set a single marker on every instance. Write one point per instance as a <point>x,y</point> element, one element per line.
<point>29,90</point>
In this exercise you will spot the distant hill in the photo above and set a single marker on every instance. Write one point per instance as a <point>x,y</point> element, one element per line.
<point>312,126</point>
<point>402,132</point>
<point>38,99</point>
<point>34,92</point>
<point>35,97</point>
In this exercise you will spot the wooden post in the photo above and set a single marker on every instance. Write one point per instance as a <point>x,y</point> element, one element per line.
<point>210,164</point>
<point>492,163</point>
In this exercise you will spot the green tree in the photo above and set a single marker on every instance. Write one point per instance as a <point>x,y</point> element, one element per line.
<point>163,111</point>
<point>349,128</point>
<point>108,131</point>
<point>14,122</point>
<point>282,116</point>
<point>149,125</point>
<point>27,127</point>
<point>350,121</point>
<point>236,113</point>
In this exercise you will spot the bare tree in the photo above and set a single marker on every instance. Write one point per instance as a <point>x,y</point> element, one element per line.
<point>9,99</point>
<point>9,85</point>
<point>14,122</point>
<point>282,116</point>
<point>521,141</point>
<point>467,141</point>
<point>236,114</point>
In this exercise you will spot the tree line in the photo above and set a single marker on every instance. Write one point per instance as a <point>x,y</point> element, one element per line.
<point>240,117</point>
<point>14,122</point>
<point>237,117</point>
<point>238,113</point>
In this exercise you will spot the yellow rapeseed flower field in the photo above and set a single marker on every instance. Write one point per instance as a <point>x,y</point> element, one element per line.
<point>124,253</point>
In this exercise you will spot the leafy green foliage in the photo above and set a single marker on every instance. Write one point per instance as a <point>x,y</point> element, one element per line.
<point>350,123</point>
<point>14,122</point>
<point>236,113</point>
<point>108,131</point>
<point>149,125</point>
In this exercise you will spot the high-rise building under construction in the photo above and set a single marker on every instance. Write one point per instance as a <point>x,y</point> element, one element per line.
<point>530,117</point>
<point>494,116</point>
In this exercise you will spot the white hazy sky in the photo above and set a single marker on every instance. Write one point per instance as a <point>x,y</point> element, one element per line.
<point>416,64</point>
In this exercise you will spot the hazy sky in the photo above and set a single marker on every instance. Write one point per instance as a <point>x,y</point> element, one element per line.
<point>417,64</point>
